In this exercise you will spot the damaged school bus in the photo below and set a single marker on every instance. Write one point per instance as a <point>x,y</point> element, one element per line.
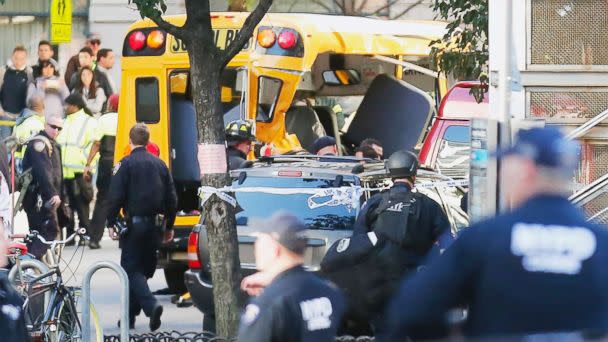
<point>300,77</point>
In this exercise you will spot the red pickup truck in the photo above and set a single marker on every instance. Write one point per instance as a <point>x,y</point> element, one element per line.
<point>446,146</point>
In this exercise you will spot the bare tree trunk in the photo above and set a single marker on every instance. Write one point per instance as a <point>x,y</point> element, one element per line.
<point>218,216</point>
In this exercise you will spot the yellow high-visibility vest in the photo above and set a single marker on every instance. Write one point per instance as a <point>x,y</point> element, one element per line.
<point>78,135</point>
<point>27,129</point>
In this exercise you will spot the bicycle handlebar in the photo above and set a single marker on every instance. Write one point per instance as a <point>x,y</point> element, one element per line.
<point>34,234</point>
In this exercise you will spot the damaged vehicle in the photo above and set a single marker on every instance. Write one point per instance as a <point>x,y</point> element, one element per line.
<point>321,191</point>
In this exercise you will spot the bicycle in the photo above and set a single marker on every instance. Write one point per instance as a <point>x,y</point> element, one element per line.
<point>58,319</point>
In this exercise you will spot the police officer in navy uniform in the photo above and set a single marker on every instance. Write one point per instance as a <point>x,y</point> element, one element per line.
<point>292,304</point>
<point>43,196</point>
<point>143,187</point>
<point>393,234</point>
<point>12,318</point>
<point>539,268</point>
<point>240,137</point>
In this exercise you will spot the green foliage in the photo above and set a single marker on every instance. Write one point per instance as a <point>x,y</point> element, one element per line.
<point>463,50</point>
<point>149,8</point>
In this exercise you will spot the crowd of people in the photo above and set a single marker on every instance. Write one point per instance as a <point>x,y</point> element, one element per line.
<point>86,74</point>
<point>68,115</point>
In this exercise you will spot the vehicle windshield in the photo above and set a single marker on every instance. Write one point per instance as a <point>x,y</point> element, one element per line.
<point>316,212</point>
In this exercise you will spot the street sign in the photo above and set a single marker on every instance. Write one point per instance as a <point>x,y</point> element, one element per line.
<point>61,21</point>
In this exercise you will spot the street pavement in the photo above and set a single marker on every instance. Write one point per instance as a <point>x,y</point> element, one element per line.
<point>106,289</point>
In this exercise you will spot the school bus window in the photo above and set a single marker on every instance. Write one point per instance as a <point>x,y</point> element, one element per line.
<point>268,94</point>
<point>147,106</point>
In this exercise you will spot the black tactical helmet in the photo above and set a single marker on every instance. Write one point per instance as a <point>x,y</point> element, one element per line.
<point>402,164</point>
<point>239,130</point>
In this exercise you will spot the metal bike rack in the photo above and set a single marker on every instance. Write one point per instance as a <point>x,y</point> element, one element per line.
<point>124,299</point>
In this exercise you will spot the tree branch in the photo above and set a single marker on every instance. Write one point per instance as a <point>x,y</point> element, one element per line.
<point>177,32</point>
<point>409,8</point>
<point>388,5</point>
<point>246,31</point>
<point>322,4</point>
<point>361,7</point>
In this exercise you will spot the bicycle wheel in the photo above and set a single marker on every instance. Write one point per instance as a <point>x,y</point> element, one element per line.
<point>66,327</point>
<point>76,292</point>
<point>23,271</point>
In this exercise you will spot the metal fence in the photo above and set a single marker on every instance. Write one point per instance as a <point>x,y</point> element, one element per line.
<point>205,336</point>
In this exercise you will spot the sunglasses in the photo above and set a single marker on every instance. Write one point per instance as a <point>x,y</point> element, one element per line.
<point>55,127</point>
<point>95,41</point>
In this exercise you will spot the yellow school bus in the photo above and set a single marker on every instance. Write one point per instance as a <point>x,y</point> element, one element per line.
<point>301,76</point>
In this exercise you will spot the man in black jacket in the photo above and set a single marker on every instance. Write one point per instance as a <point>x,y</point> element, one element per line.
<point>43,196</point>
<point>143,187</point>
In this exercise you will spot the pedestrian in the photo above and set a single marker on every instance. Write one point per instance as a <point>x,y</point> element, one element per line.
<point>79,134</point>
<point>291,303</point>
<point>88,87</point>
<point>325,146</point>
<point>537,268</point>
<point>105,62</point>
<point>93,43</point>
<point>43,196</point>
<point>14,80</point>
<point>393,234</point>
<point>367,151</point>
<point>12,317</point>
<point>52,89</point>
<point>107,125</point>
<point>375,144</point>
<point>240,137</point>
<point>85,60</point>
<point>45,54</point>
<point>143,187</point>
<point>28,124</point>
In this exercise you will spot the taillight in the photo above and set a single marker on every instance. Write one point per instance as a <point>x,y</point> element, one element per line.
<point>193,258</point>
<point>266,38</point>
<point>155,39</point>
<point>287,173</point>
<point>287,39</point>
<point>137,40</point>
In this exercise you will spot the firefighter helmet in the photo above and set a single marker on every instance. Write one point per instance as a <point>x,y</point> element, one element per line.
<point>239,130</point>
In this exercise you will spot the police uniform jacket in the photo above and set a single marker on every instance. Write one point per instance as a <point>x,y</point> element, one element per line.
<point>43,157</point>
<point>296,306</point>
<point>143,186</point>
<point>539,268</point>
<point>394,232</point>
<point>12,320</point>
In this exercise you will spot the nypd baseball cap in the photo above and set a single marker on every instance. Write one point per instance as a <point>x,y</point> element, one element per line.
<point>546,147</point>
<point>285,228</point>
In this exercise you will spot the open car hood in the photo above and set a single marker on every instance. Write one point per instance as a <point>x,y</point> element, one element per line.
<point>394,112</point>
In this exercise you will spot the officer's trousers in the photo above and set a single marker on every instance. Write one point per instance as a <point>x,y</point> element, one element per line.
<point>80,196</point>
<point>45,222</point>
<point>139,260</point>
<point>98,222</point>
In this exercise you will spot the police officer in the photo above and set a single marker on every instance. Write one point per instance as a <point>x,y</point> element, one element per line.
<point>143,187</point>
<point>76,140</point>
<point>27,125</point>
<point>107,124</point>
<point>12,318</point>
<point>393,234</point>
<point>43,196</point>
<point>295,305</point>
<point>239,135</point>
<point>537,268</point>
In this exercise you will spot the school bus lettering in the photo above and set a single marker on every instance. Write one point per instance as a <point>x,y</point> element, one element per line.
<point>222,38</point>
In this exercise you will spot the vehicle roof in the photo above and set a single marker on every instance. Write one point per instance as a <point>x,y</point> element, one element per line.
<point>459,104</point>
<point>338,34</point>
